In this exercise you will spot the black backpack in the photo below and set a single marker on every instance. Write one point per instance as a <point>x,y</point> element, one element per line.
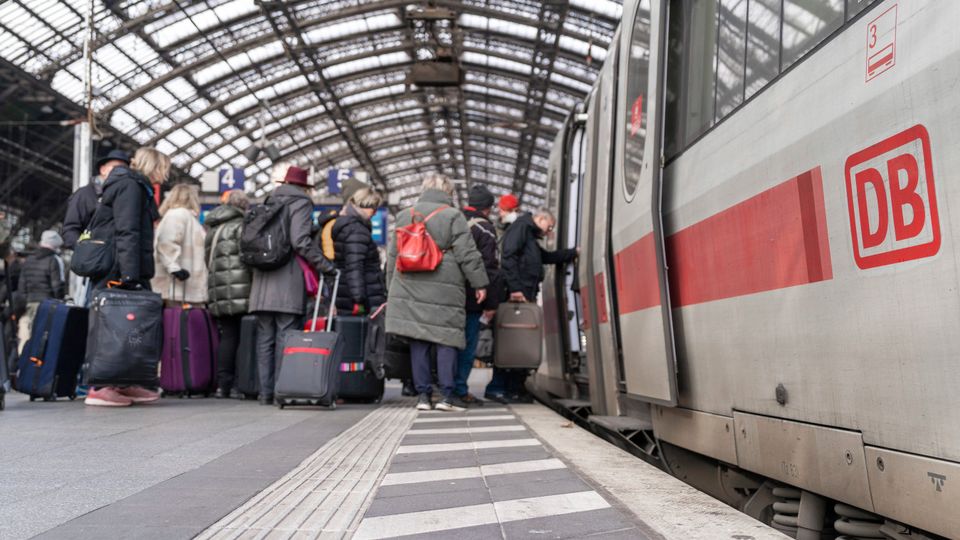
<point>265,239</point>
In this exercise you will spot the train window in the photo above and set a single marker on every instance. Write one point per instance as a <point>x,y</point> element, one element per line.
<point>691,71</point>
<point>763,44</point>
<point>854,7</point>
<point>638,75</point>
<point>731,47</point>
<point>806,23</point>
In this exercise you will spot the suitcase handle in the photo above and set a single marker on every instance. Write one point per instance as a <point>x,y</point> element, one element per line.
<point>333,300</point>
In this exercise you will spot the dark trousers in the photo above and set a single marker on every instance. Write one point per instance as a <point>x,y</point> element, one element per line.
<point>468,354</point>
<point>507,382</point>
<point>229,328</point>
<point>271,327</point>
<point>420,362</point>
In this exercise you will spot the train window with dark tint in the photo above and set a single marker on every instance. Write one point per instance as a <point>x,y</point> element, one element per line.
<point>854,7</point>
<point>691,71</point>
<point>763,44</point>
<point>638,75</point>
<point>731,47</point>
<point>806,23</point>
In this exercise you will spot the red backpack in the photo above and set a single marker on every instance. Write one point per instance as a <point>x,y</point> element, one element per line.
<point>416,250</point>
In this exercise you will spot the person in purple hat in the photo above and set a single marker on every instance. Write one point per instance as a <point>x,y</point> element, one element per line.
<point>83,203</point>
<point>276,296</point>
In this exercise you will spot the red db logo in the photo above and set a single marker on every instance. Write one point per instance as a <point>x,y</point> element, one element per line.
<point>892,200</point>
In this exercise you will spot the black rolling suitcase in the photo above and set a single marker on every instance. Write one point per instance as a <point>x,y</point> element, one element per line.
<point>125,339</point>
<point>247,376</point>
<point>51,359</point>
<point>310,364</point>
<point>357,378</point>
<point>387,354</point>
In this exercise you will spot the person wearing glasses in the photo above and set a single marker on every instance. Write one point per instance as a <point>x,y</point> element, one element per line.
<point>521,264</point>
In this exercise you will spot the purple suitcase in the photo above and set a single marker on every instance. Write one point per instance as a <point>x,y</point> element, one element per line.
<point>190,343</point>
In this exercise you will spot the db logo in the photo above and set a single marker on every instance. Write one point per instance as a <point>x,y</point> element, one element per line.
<point>892,200</point>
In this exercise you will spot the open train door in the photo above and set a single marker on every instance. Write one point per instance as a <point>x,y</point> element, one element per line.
<point>639,264</point>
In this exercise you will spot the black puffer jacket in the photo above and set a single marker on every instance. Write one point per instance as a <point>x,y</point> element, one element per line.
<point>127,218</point>
<point>357,258</point>
<point>522,258</point>
<point>42,276</point>
<point>80,208</point>
<point>228,279</point>
<point>485,236</point>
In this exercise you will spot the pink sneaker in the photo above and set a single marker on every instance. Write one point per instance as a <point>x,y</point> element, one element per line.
<point>139,395</point>
<point>107,396</point>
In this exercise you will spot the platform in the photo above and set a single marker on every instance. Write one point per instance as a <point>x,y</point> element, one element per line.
<point>207,468</point>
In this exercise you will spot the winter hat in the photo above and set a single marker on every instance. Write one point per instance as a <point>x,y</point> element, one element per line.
<point>480,197</point>
<point>350,186</point>
<point>508,202</point>
<point>51,239</point>
<point>297,177</point>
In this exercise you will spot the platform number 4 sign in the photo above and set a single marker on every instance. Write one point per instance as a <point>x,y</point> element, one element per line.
<point>882,43</point>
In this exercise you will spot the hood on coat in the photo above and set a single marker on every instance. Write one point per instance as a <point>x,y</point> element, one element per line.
<point>436,196</point>
<point>287,191</point>
<point>120,173</point>
<point>351,211</point>
<point>222,214</point>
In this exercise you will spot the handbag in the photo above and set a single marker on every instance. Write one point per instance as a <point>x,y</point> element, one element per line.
<point>310,280</point>
<point>92,257</point>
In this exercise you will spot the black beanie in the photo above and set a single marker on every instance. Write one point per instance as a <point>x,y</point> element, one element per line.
<point>480,197</point>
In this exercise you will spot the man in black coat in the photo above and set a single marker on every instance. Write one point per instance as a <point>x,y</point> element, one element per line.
<point>83,203</point>
<point>479,204</point>
<point>521,264</point>
<point>130,209</point>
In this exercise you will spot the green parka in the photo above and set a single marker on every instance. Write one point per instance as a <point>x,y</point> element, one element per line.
<point>228,279</point>
<point>429,305</point>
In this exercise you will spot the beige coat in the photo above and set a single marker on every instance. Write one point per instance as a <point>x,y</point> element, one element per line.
<point>178,244</point>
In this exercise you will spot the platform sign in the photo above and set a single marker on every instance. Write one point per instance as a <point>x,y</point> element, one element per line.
<point>882,43</point>
<point>892,200</point>
<point>379,226</point>
<point>230,179</point>
<point>335,178</point>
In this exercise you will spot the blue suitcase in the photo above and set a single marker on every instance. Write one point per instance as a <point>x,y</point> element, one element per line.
<point>51,359</point>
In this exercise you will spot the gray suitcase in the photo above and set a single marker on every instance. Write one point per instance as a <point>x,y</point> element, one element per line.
<point>518,340</point>
<point>310,364</point>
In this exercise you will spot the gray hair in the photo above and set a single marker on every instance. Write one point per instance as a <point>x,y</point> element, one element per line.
<point>545,212</point>
<point>435,180</point>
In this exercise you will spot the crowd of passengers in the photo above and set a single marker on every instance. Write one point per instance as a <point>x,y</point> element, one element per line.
<point>161,245</point>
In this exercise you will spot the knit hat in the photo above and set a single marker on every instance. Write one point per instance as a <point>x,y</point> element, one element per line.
<point>480,197</point>
<point>508,202</point>
<point>297,177</point>
<point>51,239</point>
<point>350,186</point>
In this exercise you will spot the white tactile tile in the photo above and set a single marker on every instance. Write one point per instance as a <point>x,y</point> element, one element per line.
<point>551,505</point>
<point>463,430</point>
<point>516,467</point>
<point>425,522</point>
<point>479,418</point>
<point>416,477</point>
<point>473,445</point>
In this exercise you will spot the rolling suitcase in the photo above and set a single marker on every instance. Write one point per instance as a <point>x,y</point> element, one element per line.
<point>310,364</point>
<point>189,356</point>
<point>125,339</point>
<point>518,340</point>
<point>52,357</point>
<point>357,378</point>
<point>389,355</point>
<point>247,377</point>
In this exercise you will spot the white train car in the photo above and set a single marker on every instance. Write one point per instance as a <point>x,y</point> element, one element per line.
<point>768,292</point>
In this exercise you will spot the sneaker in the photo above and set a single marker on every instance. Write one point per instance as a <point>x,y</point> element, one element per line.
<point>139,394</point>
<point>499,398</point>
<point>107,397</point>
<point>424,404</point>
<point>222,393</point>
<point>472,400</point>
<point>266,400</point>
<point>408,389</point>
<point>450,405</point>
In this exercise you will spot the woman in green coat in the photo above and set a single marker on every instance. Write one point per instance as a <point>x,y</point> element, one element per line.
<point>428,307</point>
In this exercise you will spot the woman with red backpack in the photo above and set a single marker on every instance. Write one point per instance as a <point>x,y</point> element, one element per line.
<point>429,263</point>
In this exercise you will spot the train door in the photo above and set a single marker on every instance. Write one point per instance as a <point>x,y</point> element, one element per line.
<point>643,297</point>
<point>605,387</point>
<point>570,237</point>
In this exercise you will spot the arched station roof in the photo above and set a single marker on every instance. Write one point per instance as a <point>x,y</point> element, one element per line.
<point>327,80</point>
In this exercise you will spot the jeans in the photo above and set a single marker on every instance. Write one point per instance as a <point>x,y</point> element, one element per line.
<point>468,354</point>
<point>271,327</point>
<point>227,354</point>
<point>420,360</point>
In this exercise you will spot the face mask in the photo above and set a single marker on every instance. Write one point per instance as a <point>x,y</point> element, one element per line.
<point>509,218</point>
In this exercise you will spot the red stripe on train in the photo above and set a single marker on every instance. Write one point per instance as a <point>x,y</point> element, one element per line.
<point>306,350</point>
<point>774,240</point>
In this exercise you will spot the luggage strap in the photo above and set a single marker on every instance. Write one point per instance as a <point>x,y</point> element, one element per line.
<point>306,350</point>
<point>42,349</point>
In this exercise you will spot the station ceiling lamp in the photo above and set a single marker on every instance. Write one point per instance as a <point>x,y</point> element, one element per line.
<point>253,151</point>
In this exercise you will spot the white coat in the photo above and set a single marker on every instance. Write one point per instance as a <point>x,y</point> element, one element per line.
<point>178,245</point>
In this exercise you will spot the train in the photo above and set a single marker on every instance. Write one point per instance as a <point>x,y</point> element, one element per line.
<point>767,300</point>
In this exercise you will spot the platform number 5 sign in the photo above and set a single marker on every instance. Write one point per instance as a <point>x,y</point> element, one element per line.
<point>882,43</point>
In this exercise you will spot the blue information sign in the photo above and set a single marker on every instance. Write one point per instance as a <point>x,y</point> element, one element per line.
<point>335,178</point>
<point>231,179</point>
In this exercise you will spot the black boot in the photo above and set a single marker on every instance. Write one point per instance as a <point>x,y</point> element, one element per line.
<point>266,400</point>
<point>408,389</point>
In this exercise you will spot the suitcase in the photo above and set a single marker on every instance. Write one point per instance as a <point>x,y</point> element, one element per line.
<point>518,340</point>
<point>387,354</point>
<point>125,339</point>
<point>310,363</point>
<point>247,375</point>
<point>189,357</point>
<point>51,359</point>
<point>357,378</point>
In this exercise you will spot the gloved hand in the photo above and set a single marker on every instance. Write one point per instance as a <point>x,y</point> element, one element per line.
<point>181,274</point>
<point>358,309</point>
<point>328,269</point>
<point>130,285</point>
